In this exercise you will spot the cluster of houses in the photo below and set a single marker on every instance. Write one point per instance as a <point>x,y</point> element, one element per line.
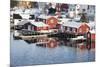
<point>65,19</point>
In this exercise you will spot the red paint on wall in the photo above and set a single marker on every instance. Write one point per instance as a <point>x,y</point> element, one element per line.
<point>52,22</point>
<point>84,28</point>
<point>93,36</point>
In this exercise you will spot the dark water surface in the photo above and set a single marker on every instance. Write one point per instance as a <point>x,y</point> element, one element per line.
<point>56,51</point>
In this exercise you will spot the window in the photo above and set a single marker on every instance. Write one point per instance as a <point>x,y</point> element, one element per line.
<point>74,30</point>
<point>68,29</point>
<point>80,30</point>
<point>71,29</point>
<point>65,28</point>
<point>44,20</point>
<point>87,29</point>
<point>52,21</point>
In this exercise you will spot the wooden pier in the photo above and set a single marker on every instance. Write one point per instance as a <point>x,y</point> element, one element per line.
<point>32,37</point>
<point>62,35</point>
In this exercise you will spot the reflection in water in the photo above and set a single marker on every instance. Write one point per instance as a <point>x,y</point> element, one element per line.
<point>44,42</point>
<point>54,42</point>
<point>48,51</point>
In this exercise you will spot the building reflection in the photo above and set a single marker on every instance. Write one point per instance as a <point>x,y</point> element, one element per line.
<point>44,42</point>
<point>55,42</point>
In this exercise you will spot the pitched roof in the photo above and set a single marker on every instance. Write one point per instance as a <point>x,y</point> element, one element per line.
<point>22,22</point>
<point>43,16</point>
<point>91,23</point>
<point>72,24</point>
<point>39,24</point>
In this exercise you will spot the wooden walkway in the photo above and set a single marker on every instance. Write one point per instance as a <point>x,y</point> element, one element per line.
<point>32,36</point>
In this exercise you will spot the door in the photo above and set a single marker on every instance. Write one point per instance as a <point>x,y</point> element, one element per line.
<point>29,27</point>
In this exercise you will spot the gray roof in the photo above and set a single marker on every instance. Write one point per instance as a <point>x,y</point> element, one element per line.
<point>39,24</point>
<point>22,22</point>
<point>46,16</point>
<point>72,24</point>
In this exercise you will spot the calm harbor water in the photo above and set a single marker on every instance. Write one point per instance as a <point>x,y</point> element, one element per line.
<point>54,51</point>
